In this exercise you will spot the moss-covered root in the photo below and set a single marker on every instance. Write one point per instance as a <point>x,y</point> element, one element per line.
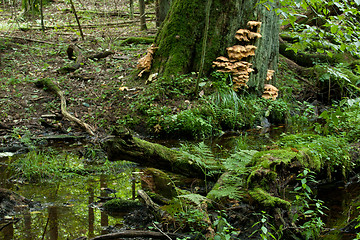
<point>265,200</point>
<point>158,182</point>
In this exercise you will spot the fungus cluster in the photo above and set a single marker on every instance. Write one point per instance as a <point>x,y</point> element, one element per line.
<point>270,92</point>
<point>144,63</point>
<point>239,69</point>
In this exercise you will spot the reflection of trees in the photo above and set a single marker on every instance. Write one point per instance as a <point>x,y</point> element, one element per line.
<point>104,219</point>
<point>53,222</point>
<point>27,223</point>
<point>91,212</point>
<point>74,219</point>
<point>8,231</point>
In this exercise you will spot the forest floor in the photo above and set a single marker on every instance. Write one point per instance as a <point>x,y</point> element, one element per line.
<point>93,92</point>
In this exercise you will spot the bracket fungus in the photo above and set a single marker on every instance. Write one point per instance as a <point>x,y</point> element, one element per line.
<point>270,92</point>
<point>240,70</point>
<point>246,35</point>
<point>269,75</point>
<point>254,24</point>
<point>144,63</point>
<point>238,52</point>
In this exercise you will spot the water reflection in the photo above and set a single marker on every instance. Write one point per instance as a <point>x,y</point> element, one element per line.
<point>65,210</point>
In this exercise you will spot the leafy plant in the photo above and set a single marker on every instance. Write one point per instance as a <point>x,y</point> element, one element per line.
<point>342,119</point>
<point>223,229</point>
<point>24,135</point>
<point>266,229</point>
<point>307,210</point>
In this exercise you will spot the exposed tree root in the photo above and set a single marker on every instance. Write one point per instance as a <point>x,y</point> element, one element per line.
<point>300,71</point>
<point>122,145</point>
<point>55,89</point>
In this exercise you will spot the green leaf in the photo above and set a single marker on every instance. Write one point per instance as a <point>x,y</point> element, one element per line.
<point>264,229</point>
<point>334,29</point>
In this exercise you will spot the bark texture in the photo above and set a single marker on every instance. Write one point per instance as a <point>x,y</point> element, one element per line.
<point>180,38</point>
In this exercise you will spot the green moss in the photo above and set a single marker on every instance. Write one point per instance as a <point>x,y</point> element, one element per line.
<point>137,40</point>
<point>319,151</point>
<point>271,158</point>
<point>48,85</point>
<point>178,36</point>
<point>264,199</point>
<point>162,184</point>
<point>156,149</point>
<point>120,205</point>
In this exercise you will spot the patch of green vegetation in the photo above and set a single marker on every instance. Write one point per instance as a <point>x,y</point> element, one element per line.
<point>121,205</point>
<point>169,112</point>
<point>40,166</point>
<point>186,216</point>
<point>52,165</point>
<point>320,151</point>
<point>342,120</point>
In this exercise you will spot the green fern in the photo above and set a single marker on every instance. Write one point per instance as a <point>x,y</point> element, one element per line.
<point>201,155</point>
<point>231,183</point>
<point>195,198</point>
<point>237,162</point>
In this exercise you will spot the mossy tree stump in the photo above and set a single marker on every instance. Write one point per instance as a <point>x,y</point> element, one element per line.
<point>180,38</point>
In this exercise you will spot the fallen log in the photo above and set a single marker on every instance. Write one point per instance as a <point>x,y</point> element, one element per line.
<point>123,146</point>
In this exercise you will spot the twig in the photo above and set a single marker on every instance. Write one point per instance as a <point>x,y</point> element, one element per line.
<point>77,19</point>
<point>161,231</point>
<point>47,222</point>
<point>11,222</point>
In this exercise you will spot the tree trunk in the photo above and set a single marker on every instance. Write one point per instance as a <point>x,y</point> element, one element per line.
<point>162,9</point>
<point>142,15</point>
<point>180,38</point>
<point>131,9</point>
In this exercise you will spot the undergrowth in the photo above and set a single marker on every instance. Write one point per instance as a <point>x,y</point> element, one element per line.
<point>52,165</point>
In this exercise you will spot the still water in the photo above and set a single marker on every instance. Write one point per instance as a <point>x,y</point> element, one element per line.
<point>66,209</point>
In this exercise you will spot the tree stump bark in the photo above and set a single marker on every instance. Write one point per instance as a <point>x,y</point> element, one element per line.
<point>180,38</point>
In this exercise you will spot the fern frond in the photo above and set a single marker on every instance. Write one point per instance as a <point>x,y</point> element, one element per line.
<point>195,198</point>
<point>237,162</point>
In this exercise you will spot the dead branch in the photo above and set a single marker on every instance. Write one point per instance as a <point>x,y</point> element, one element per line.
<point>77,19</point>
<point>27,39</point>
<point>100,55</point>
<point>113,24</point>
<point>52,87</point>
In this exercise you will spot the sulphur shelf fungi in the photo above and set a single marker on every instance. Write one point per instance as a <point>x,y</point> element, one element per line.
<point>144,63</point>
<point>240,70</point>
<point>270,92</point>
